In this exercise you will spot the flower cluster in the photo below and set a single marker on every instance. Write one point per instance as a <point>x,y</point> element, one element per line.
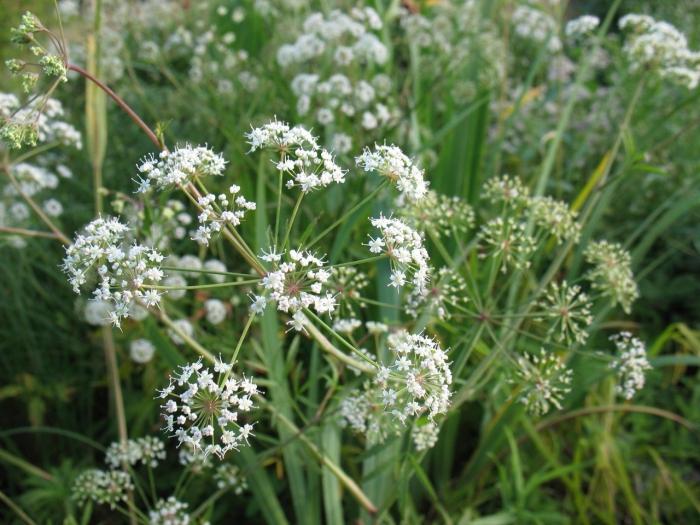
<point>440,214</point>
<point>141,351</point>
<point>660,47</point>
<point>103,487</point>
<point>392,163</point>
<point>179,167</point>
<point>296,281</point>
<point>630,364</point>
<point>612,273</point>
<point>230,477</point>
<point>169,511</point>
<point>581,26</point>
<point>447,289</point>
<point>146,450</point>
<point>507,190</point>
<point>569,311</point>
<point>404,247</point>
<point>555,217</point>
<point>218,211</point>
<point>202,408</point>
<point>301,158</point>
<point>416,383</point>
<point>329,32</point>
<point>347,282</point>
<point>544,380</point>
<point>41,120</point>
<point>452,35</point>
<point>534,24</point>
<point>50,64</point>
<point>508,241</point>
<point>123,271</point>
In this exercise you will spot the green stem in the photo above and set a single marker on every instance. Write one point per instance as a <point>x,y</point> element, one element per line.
<point>291,220</point>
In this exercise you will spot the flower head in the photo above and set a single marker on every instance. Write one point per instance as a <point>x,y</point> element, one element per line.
<point>404,246</point>
<point>630,364</point>
<point>392,163</point>
<point>307,165</point>
<point>103,487</point>
<point>179,167</point>
<point>202,406</point>
<point>612,273</point>
<point>544,380</point>
<point>569,311</point>
<point>123,272</point>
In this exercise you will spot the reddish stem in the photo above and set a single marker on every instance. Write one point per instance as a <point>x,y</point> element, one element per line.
<point>120,102</point>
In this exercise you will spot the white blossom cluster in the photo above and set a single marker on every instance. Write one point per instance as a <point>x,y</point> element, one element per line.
<point>40,119</point>
<point>141,351</point>
<point>202,407</point>
<point>354,91</point>
<point>36,182</point>
<point>453,35</point>
<point>660,47</point>
<point>544,381</point>
<point>533,24</point>
<point>169,511</point>
<point>105,487</point>
<point>404,246</point>
<point>215,311</point>
<point>148,451</point>
<point>301,158</point>
<point>218,211</point>
<point>582,26</point>
<point>425,436</point>
<point>296,280</point>
<point>122,271</point>
<point>612,272</point>
<point>392,163</point>
<point>179,167</point>
<point>630,364</point>
<point>416,383</point>
<point>348,35</point>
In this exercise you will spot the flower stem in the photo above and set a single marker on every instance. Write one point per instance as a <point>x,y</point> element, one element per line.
<point>120,102</point>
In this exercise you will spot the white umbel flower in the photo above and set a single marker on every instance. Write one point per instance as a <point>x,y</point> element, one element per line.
<point>404,246</point>
<point>123,271</point>
<point>392,163</point>
<point>179,167</point>
<point>141,351</point>
<point>630,364</point>
<point>203,408</point>
<point>307,165</point>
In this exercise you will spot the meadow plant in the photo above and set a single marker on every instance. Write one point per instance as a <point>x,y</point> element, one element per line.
<point>333,298</point>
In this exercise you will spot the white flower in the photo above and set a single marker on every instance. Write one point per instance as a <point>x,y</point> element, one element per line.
<point>203,408</point>
<point>581,26</point>
<point>630,364</point>
<point>141,351</point>
<point>301,158</point>
<point>215,311</point>
<point>122,271</point>
<point>147,450</point>
<point>390,162</point>
<point>404,246</point>
<point>544,379</point>
<point>296,280</point>
<point>169,512</point>
<point>179,167</point>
